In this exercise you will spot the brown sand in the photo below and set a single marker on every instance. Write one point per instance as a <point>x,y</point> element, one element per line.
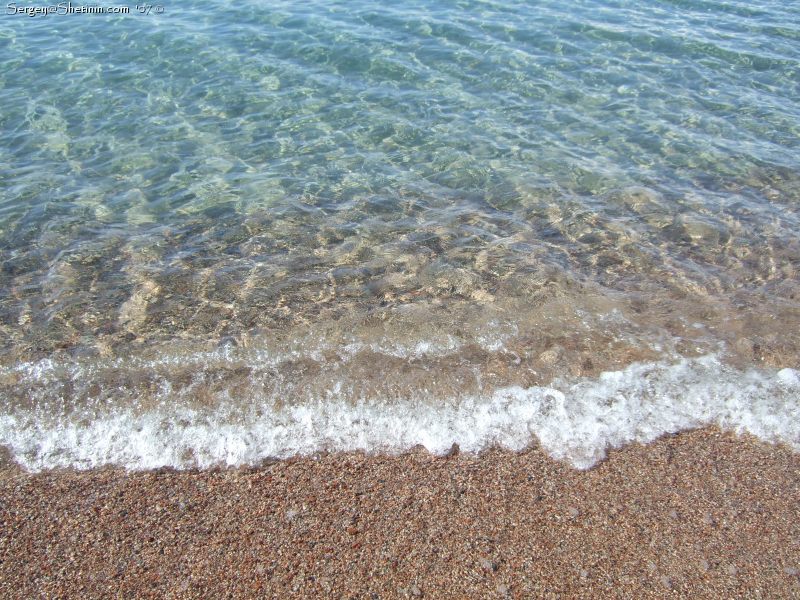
<point>701,514</point>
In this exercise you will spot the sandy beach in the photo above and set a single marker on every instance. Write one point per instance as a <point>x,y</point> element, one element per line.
<point>699,514</point>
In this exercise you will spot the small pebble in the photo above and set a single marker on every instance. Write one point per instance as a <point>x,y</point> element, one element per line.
<point>487,564</point>
<point>454,451</point>
<point>415,591</point>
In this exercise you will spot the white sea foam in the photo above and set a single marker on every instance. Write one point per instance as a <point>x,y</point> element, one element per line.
<point>577,421</point>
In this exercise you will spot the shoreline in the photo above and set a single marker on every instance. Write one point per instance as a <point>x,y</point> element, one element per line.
<point>701,513</point>
<point>204,425</point>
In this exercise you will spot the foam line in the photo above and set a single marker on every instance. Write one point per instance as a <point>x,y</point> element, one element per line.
<point>576,421</point>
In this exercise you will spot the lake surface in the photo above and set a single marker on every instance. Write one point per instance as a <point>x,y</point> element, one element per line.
<point>234,231</point>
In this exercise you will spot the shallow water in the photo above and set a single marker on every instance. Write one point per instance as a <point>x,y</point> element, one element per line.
<point>363,215</point>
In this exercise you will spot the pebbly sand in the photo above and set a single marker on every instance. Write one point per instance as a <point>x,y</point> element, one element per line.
<point>700,514</point>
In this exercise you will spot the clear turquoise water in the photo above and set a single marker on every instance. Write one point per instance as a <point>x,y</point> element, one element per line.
<point>422,199</point>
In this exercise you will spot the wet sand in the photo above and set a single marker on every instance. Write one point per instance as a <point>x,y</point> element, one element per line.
<point>700,514</point>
